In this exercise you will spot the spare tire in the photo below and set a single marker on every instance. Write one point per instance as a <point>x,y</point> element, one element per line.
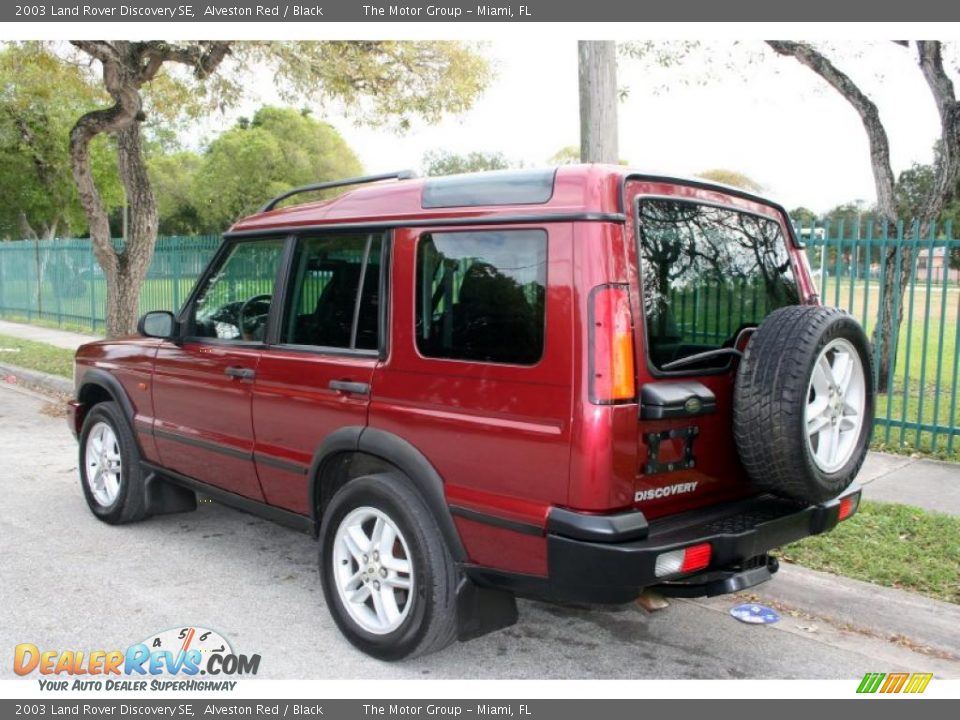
<point>803,403</point>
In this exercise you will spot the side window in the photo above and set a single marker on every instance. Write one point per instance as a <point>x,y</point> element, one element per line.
<point>236,301</point>
<point>481,295</point>
<point>335,292</point>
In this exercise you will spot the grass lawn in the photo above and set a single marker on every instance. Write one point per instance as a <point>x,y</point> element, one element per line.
<point>888,544</point>
<point>36,356</point>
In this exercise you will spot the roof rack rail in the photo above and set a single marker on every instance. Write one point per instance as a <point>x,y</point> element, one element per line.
<point>399,175</point>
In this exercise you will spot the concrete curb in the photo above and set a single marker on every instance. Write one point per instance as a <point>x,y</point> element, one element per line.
<point>36,380</point>
<point>896,615</point>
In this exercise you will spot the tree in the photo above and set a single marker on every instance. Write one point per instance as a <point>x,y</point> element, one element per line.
<point>803,216</point>
<point>385,83</point>
<point>598,101</point>
<point>441,162</point>
<point>731,177</point>
<point>567,155</point>
<point>930,203</point>
<point>848,215</point>
<point>40,97</point>
<point>279,149</point>
<point>173,177</point>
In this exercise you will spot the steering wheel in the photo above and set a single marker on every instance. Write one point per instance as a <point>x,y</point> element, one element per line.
<point>248,326</point>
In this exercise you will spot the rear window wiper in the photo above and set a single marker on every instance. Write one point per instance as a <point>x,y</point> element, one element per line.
<point>698,357</point>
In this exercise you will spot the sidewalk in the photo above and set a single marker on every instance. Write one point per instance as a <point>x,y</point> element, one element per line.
<point>58,338</point>
<point>928,484</point>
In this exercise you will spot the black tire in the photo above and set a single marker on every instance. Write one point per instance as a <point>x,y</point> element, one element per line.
<point>770,398</point>
<point>431,622</point>
<point>129,505</point>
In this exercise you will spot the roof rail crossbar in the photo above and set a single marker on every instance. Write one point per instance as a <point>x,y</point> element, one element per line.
<point>399,175</point>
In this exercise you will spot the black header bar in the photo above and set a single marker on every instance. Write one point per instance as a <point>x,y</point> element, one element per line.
<point>332,11</point>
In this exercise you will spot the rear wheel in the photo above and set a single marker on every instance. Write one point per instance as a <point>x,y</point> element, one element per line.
<point>803,403</point>
<point>388,577</point>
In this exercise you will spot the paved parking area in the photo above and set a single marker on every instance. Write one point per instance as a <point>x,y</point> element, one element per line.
<point>69,581</point>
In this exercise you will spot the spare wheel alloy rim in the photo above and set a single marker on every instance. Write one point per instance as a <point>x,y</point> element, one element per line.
<point>373,570</point>
<point>103,463</point>
<point>836,396</point>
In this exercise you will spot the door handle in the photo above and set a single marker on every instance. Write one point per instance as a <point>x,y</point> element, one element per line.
<point>346,386</point>
<point>240,372</point>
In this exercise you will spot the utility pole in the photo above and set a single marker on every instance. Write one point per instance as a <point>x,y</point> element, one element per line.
<point>598,101</point>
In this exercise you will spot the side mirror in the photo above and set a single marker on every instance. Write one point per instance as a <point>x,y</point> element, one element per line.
<point>158,324</point>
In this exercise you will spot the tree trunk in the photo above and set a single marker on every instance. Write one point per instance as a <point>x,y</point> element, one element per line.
<point>598,101</point>
<point>896,278</point>
<point>137,253</point>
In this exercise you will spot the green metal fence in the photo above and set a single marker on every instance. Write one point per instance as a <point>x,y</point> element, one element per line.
<point>917,403</point>
<point>59,282</point>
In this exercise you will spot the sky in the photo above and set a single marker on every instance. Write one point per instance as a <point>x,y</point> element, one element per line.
<point>771,119</point>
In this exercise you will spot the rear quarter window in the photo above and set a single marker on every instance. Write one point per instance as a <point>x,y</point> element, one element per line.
<point>481,295</point>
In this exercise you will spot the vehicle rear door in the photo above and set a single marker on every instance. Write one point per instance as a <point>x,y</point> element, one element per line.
<point>202,385</point>
<point>708,266</point>
<point>315,376</point>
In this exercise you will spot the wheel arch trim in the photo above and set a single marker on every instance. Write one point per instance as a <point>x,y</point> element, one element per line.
<point>396,451</point>
<point>96,377</point>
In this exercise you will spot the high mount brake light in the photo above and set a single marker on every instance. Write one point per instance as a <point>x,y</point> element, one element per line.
<point>611,345</point>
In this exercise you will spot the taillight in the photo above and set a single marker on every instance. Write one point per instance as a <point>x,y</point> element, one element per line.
<point>611,342</point>
<point>686,560</point>
<point>848,506</point>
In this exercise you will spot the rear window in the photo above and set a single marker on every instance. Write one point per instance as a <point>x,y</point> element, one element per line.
<point>707,273</point>
<point>480,295</point>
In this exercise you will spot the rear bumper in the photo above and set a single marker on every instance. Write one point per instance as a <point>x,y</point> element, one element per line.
<point>590,560</point>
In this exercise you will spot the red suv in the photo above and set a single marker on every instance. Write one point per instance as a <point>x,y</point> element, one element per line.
<point>571,383</point>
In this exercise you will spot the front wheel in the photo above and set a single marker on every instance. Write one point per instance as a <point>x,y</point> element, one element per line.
<point>388,577</point>
<point>110,466</point>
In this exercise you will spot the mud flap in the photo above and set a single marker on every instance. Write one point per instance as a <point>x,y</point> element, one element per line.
<point>483,610</point>
<point>164,498</point>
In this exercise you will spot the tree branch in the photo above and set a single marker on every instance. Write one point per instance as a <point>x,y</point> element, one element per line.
<point>948,159</point>
<point>99,49</point>
<point>204,57</point>
<point>865,107</point>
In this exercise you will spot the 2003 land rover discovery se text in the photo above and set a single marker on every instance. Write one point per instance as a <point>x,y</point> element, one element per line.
<point>570,384</point>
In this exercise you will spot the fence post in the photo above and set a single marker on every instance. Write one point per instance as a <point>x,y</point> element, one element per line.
<point>93,288</point>
<point>175,269</point>
<point>3,274</point>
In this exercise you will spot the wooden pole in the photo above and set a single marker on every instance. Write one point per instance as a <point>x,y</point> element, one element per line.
<point>598,101</point>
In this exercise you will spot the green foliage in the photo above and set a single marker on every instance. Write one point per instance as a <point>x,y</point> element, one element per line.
<point>279,149</point>
<point>567,155</point>
<point>913,186</point>
<point>377,82</point>
<point>441,162</point>
<point>803,216</point>
<point>731,177</point>
<point>173,178</point>
<point>850,214</point>
<point>40,99</point>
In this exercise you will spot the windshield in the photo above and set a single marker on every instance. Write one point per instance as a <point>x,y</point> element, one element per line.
<point>707,272</point>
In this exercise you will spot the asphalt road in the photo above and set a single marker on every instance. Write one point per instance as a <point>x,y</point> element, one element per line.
<point>68,581</point>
